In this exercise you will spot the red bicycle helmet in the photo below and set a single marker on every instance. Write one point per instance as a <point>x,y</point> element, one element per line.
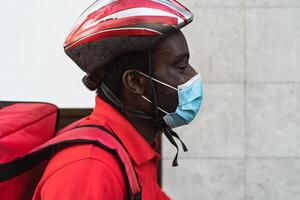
<point>109,28</point>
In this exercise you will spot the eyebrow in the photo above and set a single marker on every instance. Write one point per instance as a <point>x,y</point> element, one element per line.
<point>177,58</point>
<point>180,57</point>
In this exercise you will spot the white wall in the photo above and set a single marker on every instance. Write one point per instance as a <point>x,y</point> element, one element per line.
<point>33,63</point>
<point>245,143</point>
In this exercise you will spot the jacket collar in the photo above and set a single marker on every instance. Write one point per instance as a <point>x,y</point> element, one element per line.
<point>138,148</point>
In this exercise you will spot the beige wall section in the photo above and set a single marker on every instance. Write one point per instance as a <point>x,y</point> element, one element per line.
<point>245,144</point>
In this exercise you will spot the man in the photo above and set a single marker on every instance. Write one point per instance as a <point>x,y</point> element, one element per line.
<point>138,61</point>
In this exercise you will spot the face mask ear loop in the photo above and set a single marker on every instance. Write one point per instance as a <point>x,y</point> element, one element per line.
<point>154,97</point>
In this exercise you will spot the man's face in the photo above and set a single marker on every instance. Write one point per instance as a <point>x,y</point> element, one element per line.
<point>171,66</point>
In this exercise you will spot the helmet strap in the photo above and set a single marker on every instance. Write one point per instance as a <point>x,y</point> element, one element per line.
<point>168,132</point>
<point>118,104</point>
<point>152,87</point>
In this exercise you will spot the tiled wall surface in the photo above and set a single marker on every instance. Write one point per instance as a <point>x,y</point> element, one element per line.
<point>245,144</point>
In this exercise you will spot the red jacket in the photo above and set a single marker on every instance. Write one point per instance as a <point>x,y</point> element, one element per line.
<point>87,172</point>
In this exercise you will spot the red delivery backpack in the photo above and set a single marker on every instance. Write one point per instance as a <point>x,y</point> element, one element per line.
<point>29,138</point>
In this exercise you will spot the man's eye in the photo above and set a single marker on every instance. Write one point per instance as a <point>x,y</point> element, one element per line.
<point>182,68</point>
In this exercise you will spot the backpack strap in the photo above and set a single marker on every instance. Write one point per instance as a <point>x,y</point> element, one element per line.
<point>87,134</point>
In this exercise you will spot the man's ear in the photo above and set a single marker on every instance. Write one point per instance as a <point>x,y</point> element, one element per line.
<point>134,82</point>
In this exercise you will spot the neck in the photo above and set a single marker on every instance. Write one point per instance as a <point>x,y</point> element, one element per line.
<point>146,127</point>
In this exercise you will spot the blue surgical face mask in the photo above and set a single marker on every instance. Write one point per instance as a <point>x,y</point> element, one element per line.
<point>190,96</point>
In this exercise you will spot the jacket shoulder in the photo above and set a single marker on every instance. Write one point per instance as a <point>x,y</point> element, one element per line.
<point>81,172</point>
<point>76,170</point>
<point>76,153</point>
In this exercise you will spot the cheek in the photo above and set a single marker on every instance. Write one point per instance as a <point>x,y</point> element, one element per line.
<point>167,98</point>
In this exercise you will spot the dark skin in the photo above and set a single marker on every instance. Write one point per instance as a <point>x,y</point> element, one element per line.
<point>170,64</point>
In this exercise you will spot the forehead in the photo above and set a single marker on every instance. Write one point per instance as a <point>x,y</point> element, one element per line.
<point>173,47</point>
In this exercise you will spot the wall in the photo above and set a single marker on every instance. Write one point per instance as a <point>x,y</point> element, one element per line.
<point>245,144</point>
<point>33,63</point>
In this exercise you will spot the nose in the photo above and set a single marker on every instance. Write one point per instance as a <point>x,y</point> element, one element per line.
<point>191,73</point>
